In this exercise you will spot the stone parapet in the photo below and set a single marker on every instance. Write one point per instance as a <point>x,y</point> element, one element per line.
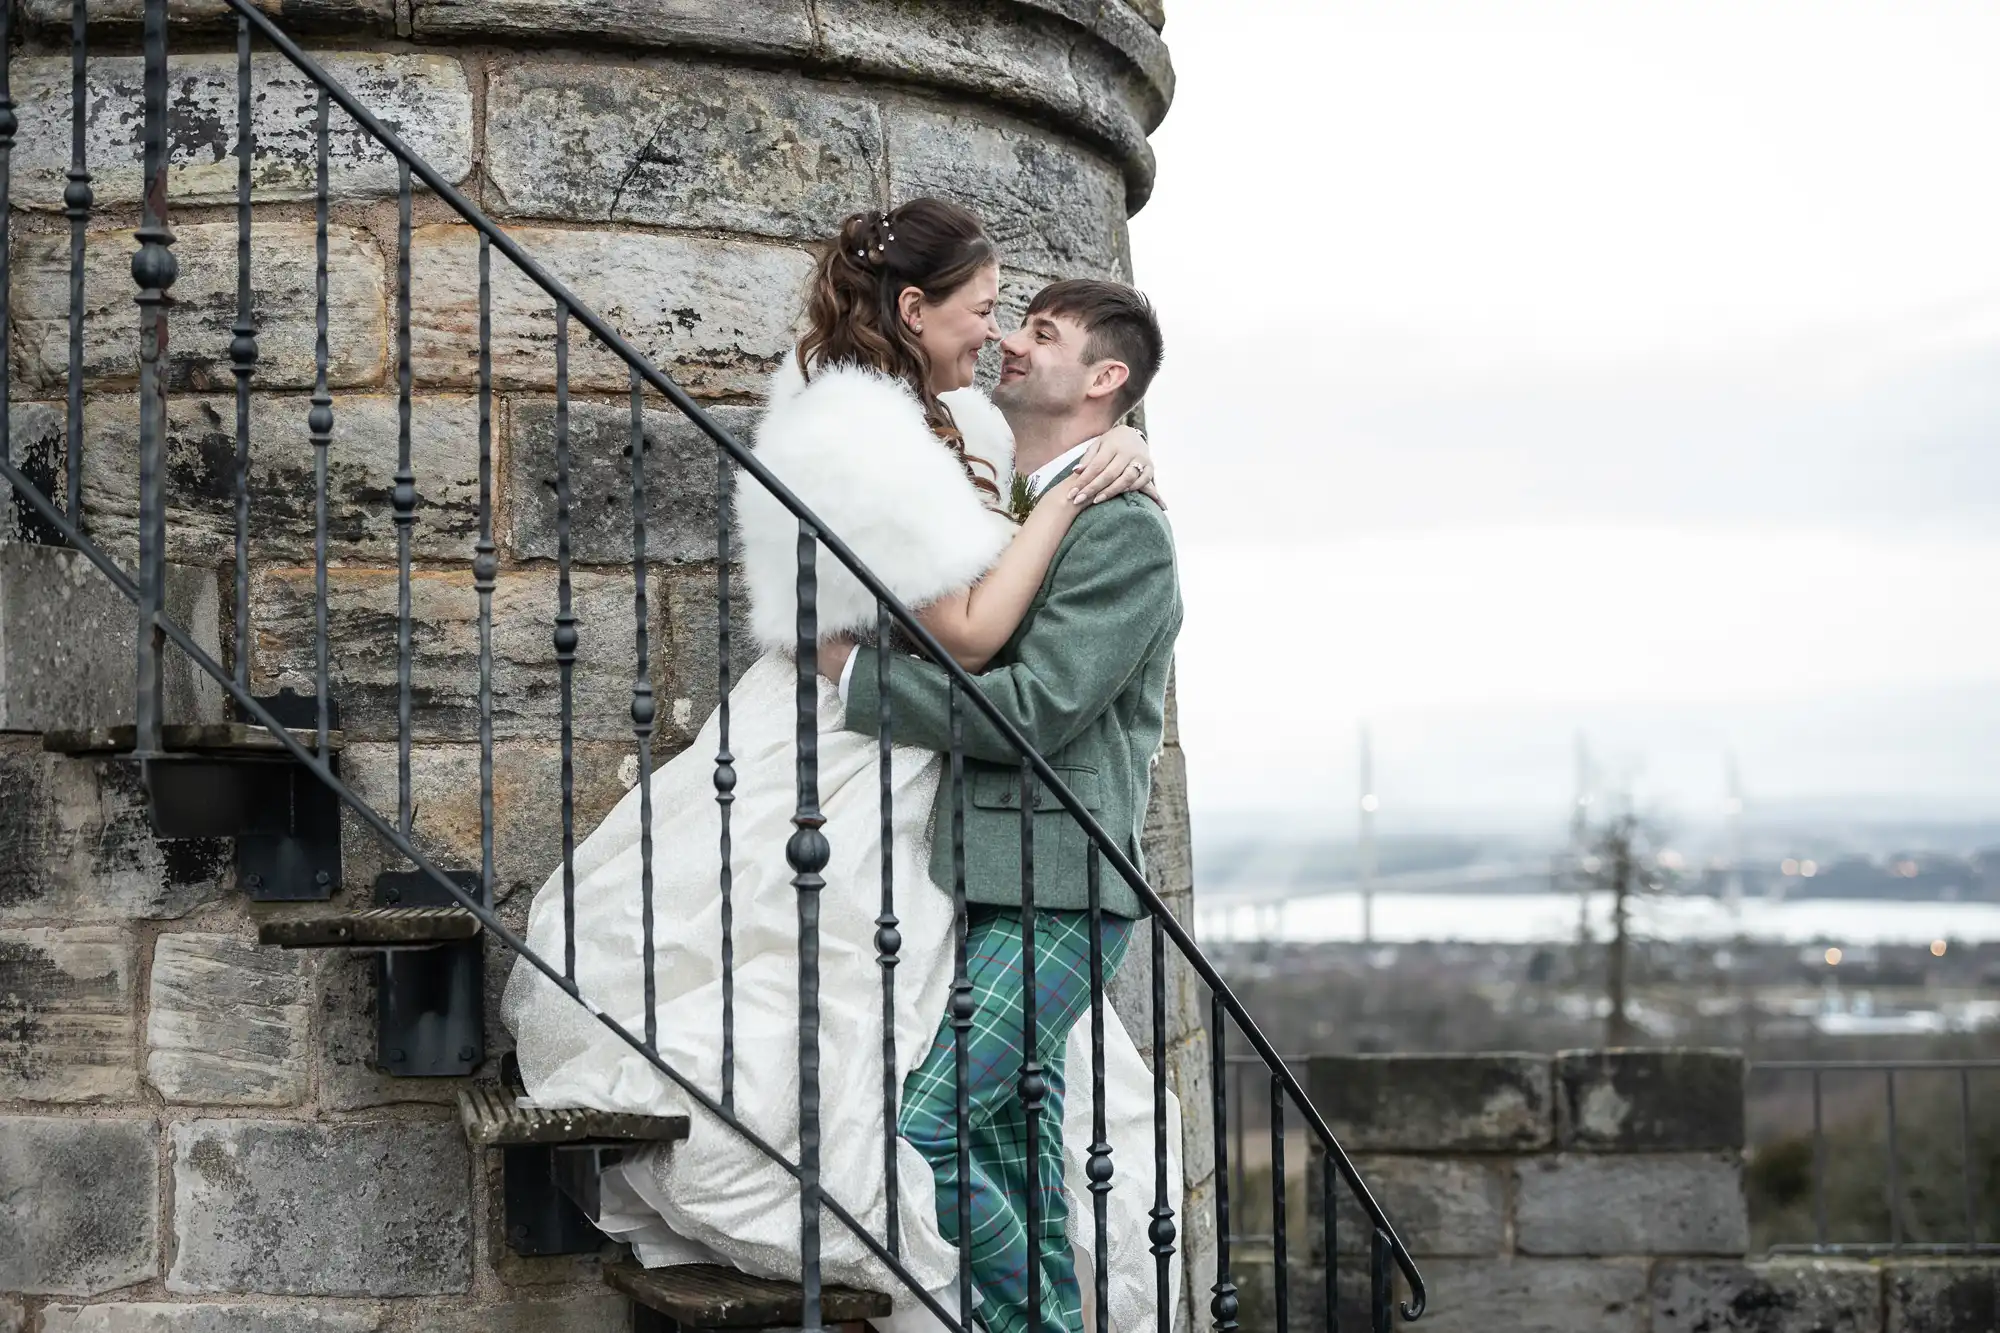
<point>1616,1204</point>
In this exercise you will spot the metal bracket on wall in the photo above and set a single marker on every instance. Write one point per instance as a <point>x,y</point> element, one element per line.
<point>237,780</point>
<point>552,1158</point>
<point>430,1001</point>
<point>430,970</point>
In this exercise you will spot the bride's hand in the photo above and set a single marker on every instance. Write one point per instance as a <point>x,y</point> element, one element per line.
<point>1058,506</point>
<point>1120,461</point>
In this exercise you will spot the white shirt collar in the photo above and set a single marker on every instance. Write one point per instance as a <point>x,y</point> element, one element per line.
<point>1047,474</point>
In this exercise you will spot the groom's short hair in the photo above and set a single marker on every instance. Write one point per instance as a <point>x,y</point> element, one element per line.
<point>1120,325</point>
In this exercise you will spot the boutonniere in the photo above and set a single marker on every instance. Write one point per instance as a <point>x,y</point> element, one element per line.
<point>1022,503</point>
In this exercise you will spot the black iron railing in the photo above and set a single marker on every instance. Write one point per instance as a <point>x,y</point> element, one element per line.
<point>1874,1183</point>
<point>154,271</point>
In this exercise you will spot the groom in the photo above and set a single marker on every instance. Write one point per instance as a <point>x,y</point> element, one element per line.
<point>1085,680</point>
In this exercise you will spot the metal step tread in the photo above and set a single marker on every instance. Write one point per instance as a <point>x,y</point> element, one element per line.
<point>212,738</point>
<point>710,1296</point>
<point>492,1120</point>
<point>377,927</point>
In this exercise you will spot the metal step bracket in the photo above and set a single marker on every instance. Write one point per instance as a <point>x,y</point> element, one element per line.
<point>237,780</point>
<point>430,970</point>
<point>551,1161</point>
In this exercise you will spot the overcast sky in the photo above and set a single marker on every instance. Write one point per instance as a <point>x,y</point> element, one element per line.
<point>1625,366</point>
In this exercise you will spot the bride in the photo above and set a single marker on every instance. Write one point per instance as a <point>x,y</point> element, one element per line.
<point>874,424</point>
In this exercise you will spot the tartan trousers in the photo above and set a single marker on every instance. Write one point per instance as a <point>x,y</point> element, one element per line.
<point>997,1123</point>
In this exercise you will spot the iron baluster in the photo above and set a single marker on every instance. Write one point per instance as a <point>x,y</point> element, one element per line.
<point>77,201</point>
<point>1819,1164</point>
<point>1965,1158</point>
<point>319,421</point>
<point>725,776</point>
<point>1331,1291</point>
<point>1895,1166</point>
<point>485,571</point>
<point>1241,1188</point>
<point>642,705</point>
<point>1098,1169</point>
<point>1280,1278</point>
<point>961,1005</point>
<point>807,852</point>
<point>1162,1231</point>
<point>243,339</point>
<point>154,269</point>
<point>404,500</point>
<point>1034,1087</point>
<point>888,938</point>
<point>1223,1306</point>
<point>1379,1289</point>
<point>565,642</point>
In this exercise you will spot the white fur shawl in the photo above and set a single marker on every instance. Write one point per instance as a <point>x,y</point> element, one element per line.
<point>853,445</point>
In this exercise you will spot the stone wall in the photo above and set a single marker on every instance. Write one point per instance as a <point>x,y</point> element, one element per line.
<point>1595,1190</point>
<point>192,1135</point>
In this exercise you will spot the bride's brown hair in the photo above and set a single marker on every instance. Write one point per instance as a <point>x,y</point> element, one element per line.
<point>851,300</point>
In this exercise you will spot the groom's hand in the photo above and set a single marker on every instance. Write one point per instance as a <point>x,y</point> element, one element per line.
<point>833,655</point>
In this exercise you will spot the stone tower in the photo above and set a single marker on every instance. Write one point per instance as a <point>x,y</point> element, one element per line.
<point>192,1135</point>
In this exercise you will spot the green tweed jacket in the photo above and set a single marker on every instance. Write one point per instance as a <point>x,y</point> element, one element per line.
<point>1085,680</point>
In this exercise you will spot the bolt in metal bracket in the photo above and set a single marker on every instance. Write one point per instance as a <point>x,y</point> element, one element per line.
<point>430,998</point>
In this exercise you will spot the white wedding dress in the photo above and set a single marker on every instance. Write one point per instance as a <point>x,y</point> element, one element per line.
<point>860,456</point>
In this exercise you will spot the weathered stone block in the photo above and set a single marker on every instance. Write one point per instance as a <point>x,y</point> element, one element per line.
<point>1434,1103</point>
<point>1195,1238</point>
<point>1547,1295</point>
<point>1006,52</point>
<point>67,639</point>
<point>37,435</point>
<point>1052,207</point>
<point>361,471</point>
<point>777,28</point>
<point>228,1022</point>
<point>586,1313</point>
<point>425,96</point>
<point>13,1316</point>
<point>378,14</point>
<point>716,315</point>
<point>1154,12</point>
<point>321,1210</point>
<point>527,805</point>
<point>1945,1297</point>
<point>682,145</point>
<point>687,678</point>
<point>1679,1204</point>
<point>76,845</point>
<point>68,1012</point>
<point>79,1205</point>
<point>282,298</point>
<point>1191,1078</point>
<point>680,482</point>
<point>1781,1297</point>
<point>1649,1100</point>
<point>1439,1205</point>
<point>445,649</point>
<point>163,1317</point>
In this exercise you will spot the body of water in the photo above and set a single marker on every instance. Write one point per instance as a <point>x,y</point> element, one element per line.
<point>1529,918</point>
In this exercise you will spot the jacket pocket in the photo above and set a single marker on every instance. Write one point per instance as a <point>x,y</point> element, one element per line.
<point>998,789</point>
